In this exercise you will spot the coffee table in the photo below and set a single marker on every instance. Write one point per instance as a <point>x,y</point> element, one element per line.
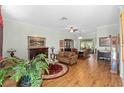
<point>53,61</point>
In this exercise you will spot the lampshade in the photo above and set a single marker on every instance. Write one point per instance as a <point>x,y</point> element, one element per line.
<point>11,50</point>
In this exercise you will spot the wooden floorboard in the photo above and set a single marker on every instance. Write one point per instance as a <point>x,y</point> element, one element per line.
<point>87,73</point>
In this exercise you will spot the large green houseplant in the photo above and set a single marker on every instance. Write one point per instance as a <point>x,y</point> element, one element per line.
<point>26,72</point>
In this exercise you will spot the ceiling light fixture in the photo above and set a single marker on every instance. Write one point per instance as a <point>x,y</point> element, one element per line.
<point>71,29</point>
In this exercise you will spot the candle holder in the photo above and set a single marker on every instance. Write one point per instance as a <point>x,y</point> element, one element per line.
<point>52,55</point>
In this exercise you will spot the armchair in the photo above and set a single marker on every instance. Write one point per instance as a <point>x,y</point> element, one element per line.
<point>67,57</point>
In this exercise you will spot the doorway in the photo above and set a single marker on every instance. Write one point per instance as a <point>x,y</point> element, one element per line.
<point>87,43</point>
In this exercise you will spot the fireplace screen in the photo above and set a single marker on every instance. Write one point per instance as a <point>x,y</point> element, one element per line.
<point>36,42</point>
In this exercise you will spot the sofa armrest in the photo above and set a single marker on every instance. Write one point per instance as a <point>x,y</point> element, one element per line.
<point>74,57</point>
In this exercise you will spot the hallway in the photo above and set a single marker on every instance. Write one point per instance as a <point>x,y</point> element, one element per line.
<point>87,73</point>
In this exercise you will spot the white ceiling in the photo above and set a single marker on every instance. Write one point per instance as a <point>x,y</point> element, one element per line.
<point>85,18</point>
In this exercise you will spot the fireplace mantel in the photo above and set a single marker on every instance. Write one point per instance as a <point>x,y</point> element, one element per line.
<point>32,52</point>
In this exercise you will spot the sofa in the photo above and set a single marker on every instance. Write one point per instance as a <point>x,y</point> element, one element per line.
<point>69,58</point>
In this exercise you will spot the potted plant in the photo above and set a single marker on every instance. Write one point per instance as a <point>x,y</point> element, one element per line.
<point>26,72</point>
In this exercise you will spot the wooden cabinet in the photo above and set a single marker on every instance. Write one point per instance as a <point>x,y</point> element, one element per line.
<point>68,44</point>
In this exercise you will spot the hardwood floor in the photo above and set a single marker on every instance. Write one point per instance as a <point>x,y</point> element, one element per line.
<point>87,73</point>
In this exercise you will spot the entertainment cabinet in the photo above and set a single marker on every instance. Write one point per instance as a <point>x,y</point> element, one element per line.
<point>106,55</point>
<point>68,44</point>
<point>32,52</point>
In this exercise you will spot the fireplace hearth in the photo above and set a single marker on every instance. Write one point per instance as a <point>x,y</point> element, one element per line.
<point>32,52</point>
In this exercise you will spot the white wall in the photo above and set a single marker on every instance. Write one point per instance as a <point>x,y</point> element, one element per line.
<point>105,31</point>
<point>16,33</point>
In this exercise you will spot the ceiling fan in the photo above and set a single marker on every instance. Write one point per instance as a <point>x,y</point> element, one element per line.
<point>72,29</point>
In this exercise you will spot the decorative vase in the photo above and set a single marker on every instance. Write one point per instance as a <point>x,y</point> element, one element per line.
<point>2,64</point>
<point>24,82</point>
<point>12,54</point>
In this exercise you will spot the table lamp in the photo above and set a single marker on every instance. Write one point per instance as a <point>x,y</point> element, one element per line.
<point>11,51</point>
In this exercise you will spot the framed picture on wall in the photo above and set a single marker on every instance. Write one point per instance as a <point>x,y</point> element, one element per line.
<point>36,42</point>
<point>104,41</point>
<point>61,43</point>
<point>114,40</point>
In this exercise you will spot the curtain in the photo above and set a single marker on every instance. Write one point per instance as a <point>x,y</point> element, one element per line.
<point>1,32</point>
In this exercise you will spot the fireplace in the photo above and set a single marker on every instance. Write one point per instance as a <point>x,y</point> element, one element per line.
<point>32,52</point>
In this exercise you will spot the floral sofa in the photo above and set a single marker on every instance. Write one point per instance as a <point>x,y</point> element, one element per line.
<point>67,57</point>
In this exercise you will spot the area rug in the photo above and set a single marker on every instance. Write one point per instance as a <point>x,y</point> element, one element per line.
<point>56,70</point>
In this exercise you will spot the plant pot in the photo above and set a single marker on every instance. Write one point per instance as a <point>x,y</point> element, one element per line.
<point>2,64</point>
<point>24,82</point>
